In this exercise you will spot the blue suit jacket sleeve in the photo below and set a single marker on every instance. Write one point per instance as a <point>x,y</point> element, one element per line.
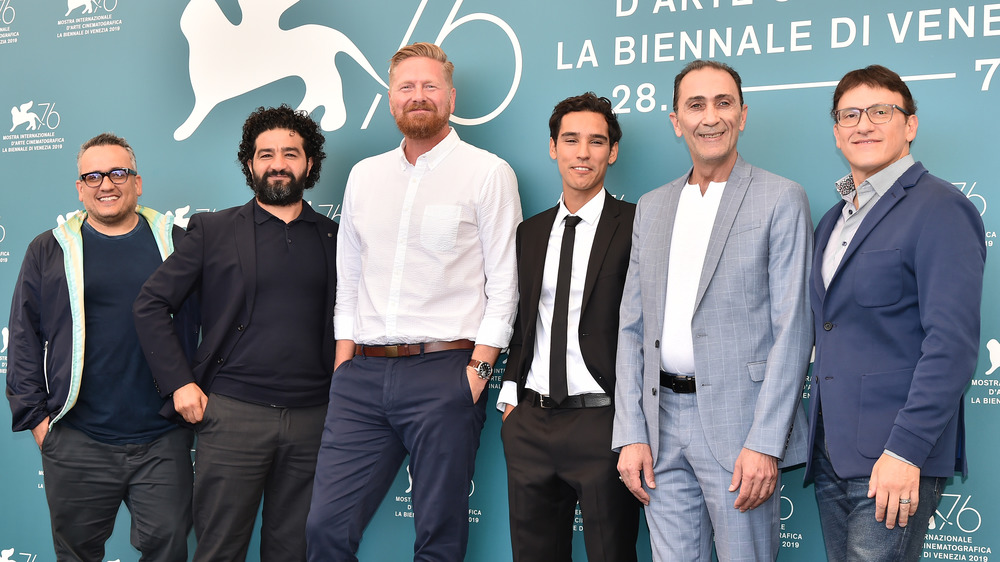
<point>948,272</point>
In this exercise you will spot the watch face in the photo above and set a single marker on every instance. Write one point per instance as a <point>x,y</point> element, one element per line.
<point>484,370</point>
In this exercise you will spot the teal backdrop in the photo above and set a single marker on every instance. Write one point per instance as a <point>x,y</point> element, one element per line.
<point>177,79</point>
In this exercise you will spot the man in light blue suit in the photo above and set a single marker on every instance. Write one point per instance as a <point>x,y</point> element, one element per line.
<point>715,338</point>
<point>896,289</point>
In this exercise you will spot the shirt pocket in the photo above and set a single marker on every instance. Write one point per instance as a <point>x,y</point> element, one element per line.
<point>439,227</point>
<point>878,279</point>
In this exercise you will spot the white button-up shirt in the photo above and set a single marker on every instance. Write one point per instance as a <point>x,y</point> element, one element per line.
<point>579,380</point>
<point>426,251</point>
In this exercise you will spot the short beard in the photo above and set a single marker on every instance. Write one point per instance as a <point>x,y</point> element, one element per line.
<point>421,128</point>
<point>281,195</point>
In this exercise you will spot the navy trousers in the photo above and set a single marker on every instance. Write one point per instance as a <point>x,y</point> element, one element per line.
<point>380,410</point>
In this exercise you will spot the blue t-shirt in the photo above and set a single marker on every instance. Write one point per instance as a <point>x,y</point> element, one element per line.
<point>118,402</point>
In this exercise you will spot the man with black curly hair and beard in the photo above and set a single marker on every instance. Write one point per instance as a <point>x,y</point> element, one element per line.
<point>257,390</point>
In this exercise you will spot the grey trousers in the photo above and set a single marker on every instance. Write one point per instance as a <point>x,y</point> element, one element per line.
<point>86,482</point>
<point>247,452</point>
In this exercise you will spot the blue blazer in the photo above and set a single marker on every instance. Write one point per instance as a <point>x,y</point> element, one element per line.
<point>897,330</point>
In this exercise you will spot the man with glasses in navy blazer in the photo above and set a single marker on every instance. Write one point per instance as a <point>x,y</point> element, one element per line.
<point>896,288</point>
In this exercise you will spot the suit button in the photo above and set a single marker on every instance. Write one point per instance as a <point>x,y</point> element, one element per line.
<point>239,328</point>
<point>656,344</point>
<point>218,361</point>
<point>827,326</point>
<point>654,391</point>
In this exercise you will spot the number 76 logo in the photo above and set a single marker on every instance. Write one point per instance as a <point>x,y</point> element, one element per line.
<point>966,518</point>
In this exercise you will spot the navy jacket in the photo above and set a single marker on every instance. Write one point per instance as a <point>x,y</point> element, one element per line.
<point>47,322</point>
<point>897,331</point>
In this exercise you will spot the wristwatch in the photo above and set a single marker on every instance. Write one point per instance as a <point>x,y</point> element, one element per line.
<point>483,369</point>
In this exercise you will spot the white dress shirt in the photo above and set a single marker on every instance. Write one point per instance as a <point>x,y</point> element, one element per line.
<point>426,251</point>
<point>579,379</point>
<point>688,246</point>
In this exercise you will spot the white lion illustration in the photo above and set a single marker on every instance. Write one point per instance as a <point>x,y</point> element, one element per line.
<point>21,115</point>
<point>87,5</point>
<point>219,52</point>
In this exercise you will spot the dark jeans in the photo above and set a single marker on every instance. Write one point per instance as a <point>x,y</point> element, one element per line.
<point>847,515</point>
<point>86,482</point>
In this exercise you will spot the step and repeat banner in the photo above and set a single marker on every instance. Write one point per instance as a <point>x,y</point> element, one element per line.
<point>177,79</point>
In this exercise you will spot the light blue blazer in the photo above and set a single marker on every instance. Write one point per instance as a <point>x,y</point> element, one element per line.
<point>752,326</point>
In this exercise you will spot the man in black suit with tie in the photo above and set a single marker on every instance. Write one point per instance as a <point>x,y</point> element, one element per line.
<point>558,391</point>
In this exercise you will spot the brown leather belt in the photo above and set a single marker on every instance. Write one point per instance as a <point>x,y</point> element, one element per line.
<point>411,349</point>
<point>680,384</point>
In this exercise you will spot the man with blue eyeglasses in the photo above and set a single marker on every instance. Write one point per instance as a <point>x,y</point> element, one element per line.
<point>896,287</point>
<point>77,378</point>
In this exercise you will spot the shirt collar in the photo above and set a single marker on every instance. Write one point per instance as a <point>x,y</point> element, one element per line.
<point>590,213</point>
<point>432,157</point>
<point>880,182</point>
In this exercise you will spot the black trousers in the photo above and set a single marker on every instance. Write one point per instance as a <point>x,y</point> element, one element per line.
<point>554,459</point>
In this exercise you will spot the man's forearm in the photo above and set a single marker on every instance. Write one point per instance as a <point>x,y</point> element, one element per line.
<point>486,353</point>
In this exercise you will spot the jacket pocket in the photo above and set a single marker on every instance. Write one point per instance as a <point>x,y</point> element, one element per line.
<point>882,396</point>
<point>878,279</point>
<point>756,370</point>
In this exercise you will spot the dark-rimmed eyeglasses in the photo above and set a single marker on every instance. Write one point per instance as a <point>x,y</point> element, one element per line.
<point>878,114</point>
<point>116,175</point>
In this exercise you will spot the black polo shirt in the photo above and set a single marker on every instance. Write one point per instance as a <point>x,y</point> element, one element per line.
<point>278,360</point>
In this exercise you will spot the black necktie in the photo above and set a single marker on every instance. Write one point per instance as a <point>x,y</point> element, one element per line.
<point>560,314</point>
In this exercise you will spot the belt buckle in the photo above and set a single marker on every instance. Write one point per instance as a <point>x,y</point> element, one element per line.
<point>545,403</point>
<point>392,351</point>
<point>681,384</point>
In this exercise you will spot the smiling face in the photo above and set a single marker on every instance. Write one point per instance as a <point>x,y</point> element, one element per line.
<point>110,207</point>
<point>870,148</point>
<point>421,98</point>
<point>279,167</point>
<point>583,152</point>
<point>710,118</point>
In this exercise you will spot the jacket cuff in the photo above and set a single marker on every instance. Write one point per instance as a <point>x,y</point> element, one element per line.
<point>908,446</point>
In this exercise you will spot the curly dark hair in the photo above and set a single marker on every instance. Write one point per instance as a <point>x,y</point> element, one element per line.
<point>284,117</point>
